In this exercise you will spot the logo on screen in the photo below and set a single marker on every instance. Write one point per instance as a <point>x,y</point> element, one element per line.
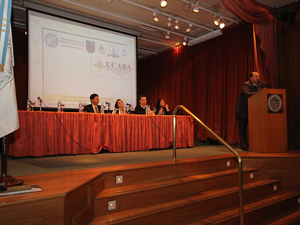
<point>99,65</point>
<point>118,68</point>
<point>124,53</point>
<point>101,49</point>
<point>51,40</point>
<point>90,46</point>
<point>112,51</point>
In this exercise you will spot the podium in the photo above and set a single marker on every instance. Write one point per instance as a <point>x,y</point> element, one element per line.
<point>267,121</point>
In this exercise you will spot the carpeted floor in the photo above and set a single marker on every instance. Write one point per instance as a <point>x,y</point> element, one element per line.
<point>48,164</point>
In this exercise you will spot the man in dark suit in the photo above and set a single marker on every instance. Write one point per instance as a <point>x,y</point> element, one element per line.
<point>141,108</point>
<point>94,107</point>
<point>241,108</point>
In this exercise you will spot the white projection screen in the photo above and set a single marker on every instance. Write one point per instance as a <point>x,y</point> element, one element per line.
<point>69,61</point>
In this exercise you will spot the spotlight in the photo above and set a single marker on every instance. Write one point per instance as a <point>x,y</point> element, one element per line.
<point>216,19</point>
<point>184,42</point>
<point>188,30</point>
<point>196,8</point>
<point>155,17</point>
<point>169,23</point>
<point>222,23</point>
<point>163,3</point>
<point>167,36</point>
<point>176,26</point>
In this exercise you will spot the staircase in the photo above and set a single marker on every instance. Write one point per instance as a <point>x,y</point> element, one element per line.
<point>195,191</point>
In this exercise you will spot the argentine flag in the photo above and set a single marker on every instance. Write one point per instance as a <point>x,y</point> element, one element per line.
<point>9,120</point>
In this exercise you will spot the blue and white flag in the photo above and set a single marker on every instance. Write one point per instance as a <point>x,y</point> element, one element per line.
<point>9,119</point>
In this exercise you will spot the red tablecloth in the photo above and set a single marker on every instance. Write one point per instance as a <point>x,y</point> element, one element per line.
<point>46,133</point>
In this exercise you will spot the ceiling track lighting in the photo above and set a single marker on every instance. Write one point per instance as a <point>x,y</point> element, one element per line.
<point>156,20</point>
<point>222,23</point>
<point>176,26</point>
<point>188,30</point>
<point>167,36</point>
<point>169,22</point>
<point>219,20</point>
<point>163,3</point>
<point>196,8</point>
<point>184,41</point>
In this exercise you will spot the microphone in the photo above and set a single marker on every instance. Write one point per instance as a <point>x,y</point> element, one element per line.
<point>39,98</point>
<point>107,103</point>
<point>128,104</point>
<point>261,82</point>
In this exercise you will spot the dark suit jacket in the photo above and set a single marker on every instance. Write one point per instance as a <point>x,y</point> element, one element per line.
<point>139,110</point>
<point>89,108</point>
<point>248,89</point>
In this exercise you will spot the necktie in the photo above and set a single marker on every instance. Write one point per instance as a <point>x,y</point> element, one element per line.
<point>96,109</point>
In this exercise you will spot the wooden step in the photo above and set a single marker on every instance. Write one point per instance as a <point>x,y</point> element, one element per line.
<point>186,208</point>
<point>254,212</point>
<point>156,192</point>
<point>149,173</point>
<point>290,217</point>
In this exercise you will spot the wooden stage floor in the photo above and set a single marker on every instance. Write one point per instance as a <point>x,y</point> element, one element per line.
<point>63,177</point>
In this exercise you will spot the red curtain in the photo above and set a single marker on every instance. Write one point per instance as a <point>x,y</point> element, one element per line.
<point>206,78</point>
<point>249,10</point>
<point>20,44</point>
<point>258,14</point>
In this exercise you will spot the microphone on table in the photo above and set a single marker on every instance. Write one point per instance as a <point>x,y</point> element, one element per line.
<point>39,98</point>
<point>128,104</point>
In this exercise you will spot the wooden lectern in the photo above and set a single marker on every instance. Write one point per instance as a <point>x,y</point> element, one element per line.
<point>267,121</point>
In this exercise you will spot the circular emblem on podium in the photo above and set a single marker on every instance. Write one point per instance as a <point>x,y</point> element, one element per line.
<point>51,40</point>
<point>274,103</point>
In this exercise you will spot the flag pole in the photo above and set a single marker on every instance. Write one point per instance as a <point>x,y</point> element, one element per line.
<point>9,180</point>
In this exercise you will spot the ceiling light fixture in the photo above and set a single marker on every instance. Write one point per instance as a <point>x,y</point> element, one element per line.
<point>176,26</point>
<point>169,22</point>
<point>184,41</point>
<point>222,23</point>
<point>216,19</point>
<point>155,17</point>
<point>188,30</point>
<point>196,8</point>
<point>167,36</point>
<point>163,3</point>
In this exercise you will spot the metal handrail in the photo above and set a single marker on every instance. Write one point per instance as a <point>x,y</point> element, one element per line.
<point>239,159</point>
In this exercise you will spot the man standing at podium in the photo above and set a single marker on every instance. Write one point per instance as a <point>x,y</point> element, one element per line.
<point>249,88</point>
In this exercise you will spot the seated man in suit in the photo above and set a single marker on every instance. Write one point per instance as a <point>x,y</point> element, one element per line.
<point>94,107</point>
<point>141,108</point>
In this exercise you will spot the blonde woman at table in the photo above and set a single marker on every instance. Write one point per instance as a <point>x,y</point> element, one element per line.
<point>119,106</point>
<point>162,108</point>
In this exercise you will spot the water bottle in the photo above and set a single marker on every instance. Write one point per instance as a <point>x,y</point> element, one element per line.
<point>124,109</point>
<point>59,106</point>
<point>80,107</point>
<point>28,104</point>
<point>102,109</point>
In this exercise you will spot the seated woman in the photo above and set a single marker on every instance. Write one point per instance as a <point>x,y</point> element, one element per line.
<point>162,108</point>
<point>119,106</point>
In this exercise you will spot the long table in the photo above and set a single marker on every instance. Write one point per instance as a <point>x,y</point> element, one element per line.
<point>49,133</point>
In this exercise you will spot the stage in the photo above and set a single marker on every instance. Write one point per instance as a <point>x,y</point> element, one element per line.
<point>71,182</point>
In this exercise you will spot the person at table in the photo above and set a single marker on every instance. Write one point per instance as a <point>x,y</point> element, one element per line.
<point>119,106</point>
<point>93,107</point>
<point>141,108</point>
<point>162,108</point>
